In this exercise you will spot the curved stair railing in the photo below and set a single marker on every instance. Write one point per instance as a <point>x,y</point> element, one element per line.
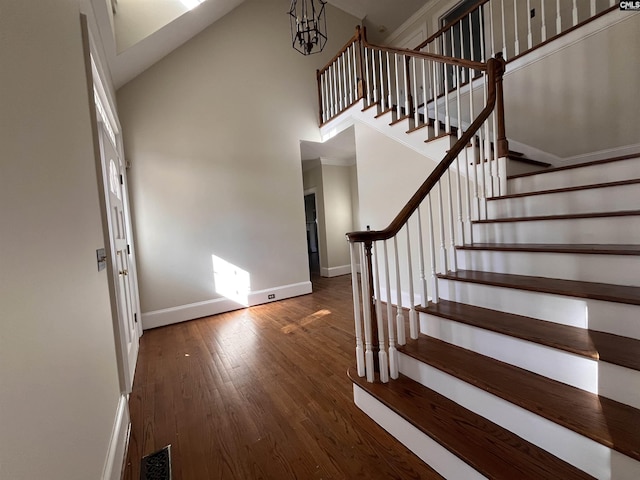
<point>375,350</point>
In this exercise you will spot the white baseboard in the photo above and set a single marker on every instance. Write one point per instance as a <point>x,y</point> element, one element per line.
<point>118,442</point>
<point>182,313</point>
<point>335,271</point>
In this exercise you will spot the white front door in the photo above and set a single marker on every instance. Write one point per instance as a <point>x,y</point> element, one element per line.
<point>118,225</point>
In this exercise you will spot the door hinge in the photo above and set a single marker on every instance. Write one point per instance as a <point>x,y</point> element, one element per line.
<point>121,179</point>
<point>128,249</point>
<point>135,317</point>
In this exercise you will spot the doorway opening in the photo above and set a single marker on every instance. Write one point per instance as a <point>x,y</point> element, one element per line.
<point>311,218</point>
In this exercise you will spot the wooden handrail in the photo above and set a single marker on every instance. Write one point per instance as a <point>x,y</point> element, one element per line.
<point>451,24</point>
<point>430,56</point>
<point>350,42</point>
<point>495,70</point>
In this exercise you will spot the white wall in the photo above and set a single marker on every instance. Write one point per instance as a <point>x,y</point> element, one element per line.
<point>59,385</point>
<point>213,134</point>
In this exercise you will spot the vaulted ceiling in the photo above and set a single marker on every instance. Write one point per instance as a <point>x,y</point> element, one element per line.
<point>138,33</point>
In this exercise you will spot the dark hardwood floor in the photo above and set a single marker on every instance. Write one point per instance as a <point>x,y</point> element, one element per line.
<point>261,393</point>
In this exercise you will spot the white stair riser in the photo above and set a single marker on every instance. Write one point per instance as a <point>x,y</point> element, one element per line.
<point>431,452</point>
<point>616,318</point>
<point>605,199</point>
<point>613,269</point>
<point>575,177</point>
<point>586,454</point>
<point>602,230</point>
<point>612,381</point>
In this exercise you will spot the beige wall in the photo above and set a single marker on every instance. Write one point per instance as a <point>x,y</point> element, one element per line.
<point>137,19</point>
<point>338,213</point>
<point>59,385</point>
<point>213,134</point>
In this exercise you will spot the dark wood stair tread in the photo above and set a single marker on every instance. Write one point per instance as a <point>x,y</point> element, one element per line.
<point>619,183</point>
<point>530,161</point>
<point>587,248</point>
<point>605,421</point>
<point>602,346</point>
<point>573,288</point>
<point>492,450</point>
<point>623,213</point>
<point>579,165</point>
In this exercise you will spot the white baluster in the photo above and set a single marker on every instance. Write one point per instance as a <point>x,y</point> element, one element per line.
<point>366,68</point>
<point>398,92</point>
<point>407,106</point>
<point>529,35</point>
<point>382,89</point>
<point>612,3</point>
<point>458,172</point>
<point>515,28</point>
<point>447,117</point>
<point>390,101</point>
<point>492,28</point>
<point>393,352</point>
<point>593,8</point>
<point>443,248</point>
<point>355,253</point>
<point>464,70</point>
<point>432,249</point>
<point>475,165</point>
<point>356,93</point>
<point>543,27</point>
<point>482,39</point>
<point>340,75</point>
<point>426,79</point>
<point>345,80</point>
<point>413,317</point>
<point>334,93</point>
<point>452,238</point>
<point>323,99</point>
<point>382,354</point>
<point>504,30</point>
<point>374,78</point>
<point>558,18</point>
<point>416,96</point>
<point>423,278</point>
<point>402,337</point>
<point>436,125</point>
<point>575,13</point>
<point>366,307</point>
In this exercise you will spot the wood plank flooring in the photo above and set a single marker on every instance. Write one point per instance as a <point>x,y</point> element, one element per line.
<point>261,393</point>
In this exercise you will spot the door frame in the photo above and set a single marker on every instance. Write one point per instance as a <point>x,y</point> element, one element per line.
<point>102,111</point>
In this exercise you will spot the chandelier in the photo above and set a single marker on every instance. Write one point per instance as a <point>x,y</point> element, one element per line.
<point>308,25</point>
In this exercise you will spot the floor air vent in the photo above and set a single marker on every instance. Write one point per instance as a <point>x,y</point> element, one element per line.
<point>157,465</point>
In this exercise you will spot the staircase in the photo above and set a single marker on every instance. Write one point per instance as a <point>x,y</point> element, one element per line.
<point>517,283</point>
<point>529,364</point>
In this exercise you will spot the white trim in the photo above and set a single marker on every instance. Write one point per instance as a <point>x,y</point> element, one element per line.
<point>431,452</point>
<point>602,154</point>
<point>118,442</point>
<point>335,271</point>
<point>182,313</point>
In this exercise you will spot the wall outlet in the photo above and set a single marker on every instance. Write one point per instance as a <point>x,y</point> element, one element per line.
<point>271,296</point>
